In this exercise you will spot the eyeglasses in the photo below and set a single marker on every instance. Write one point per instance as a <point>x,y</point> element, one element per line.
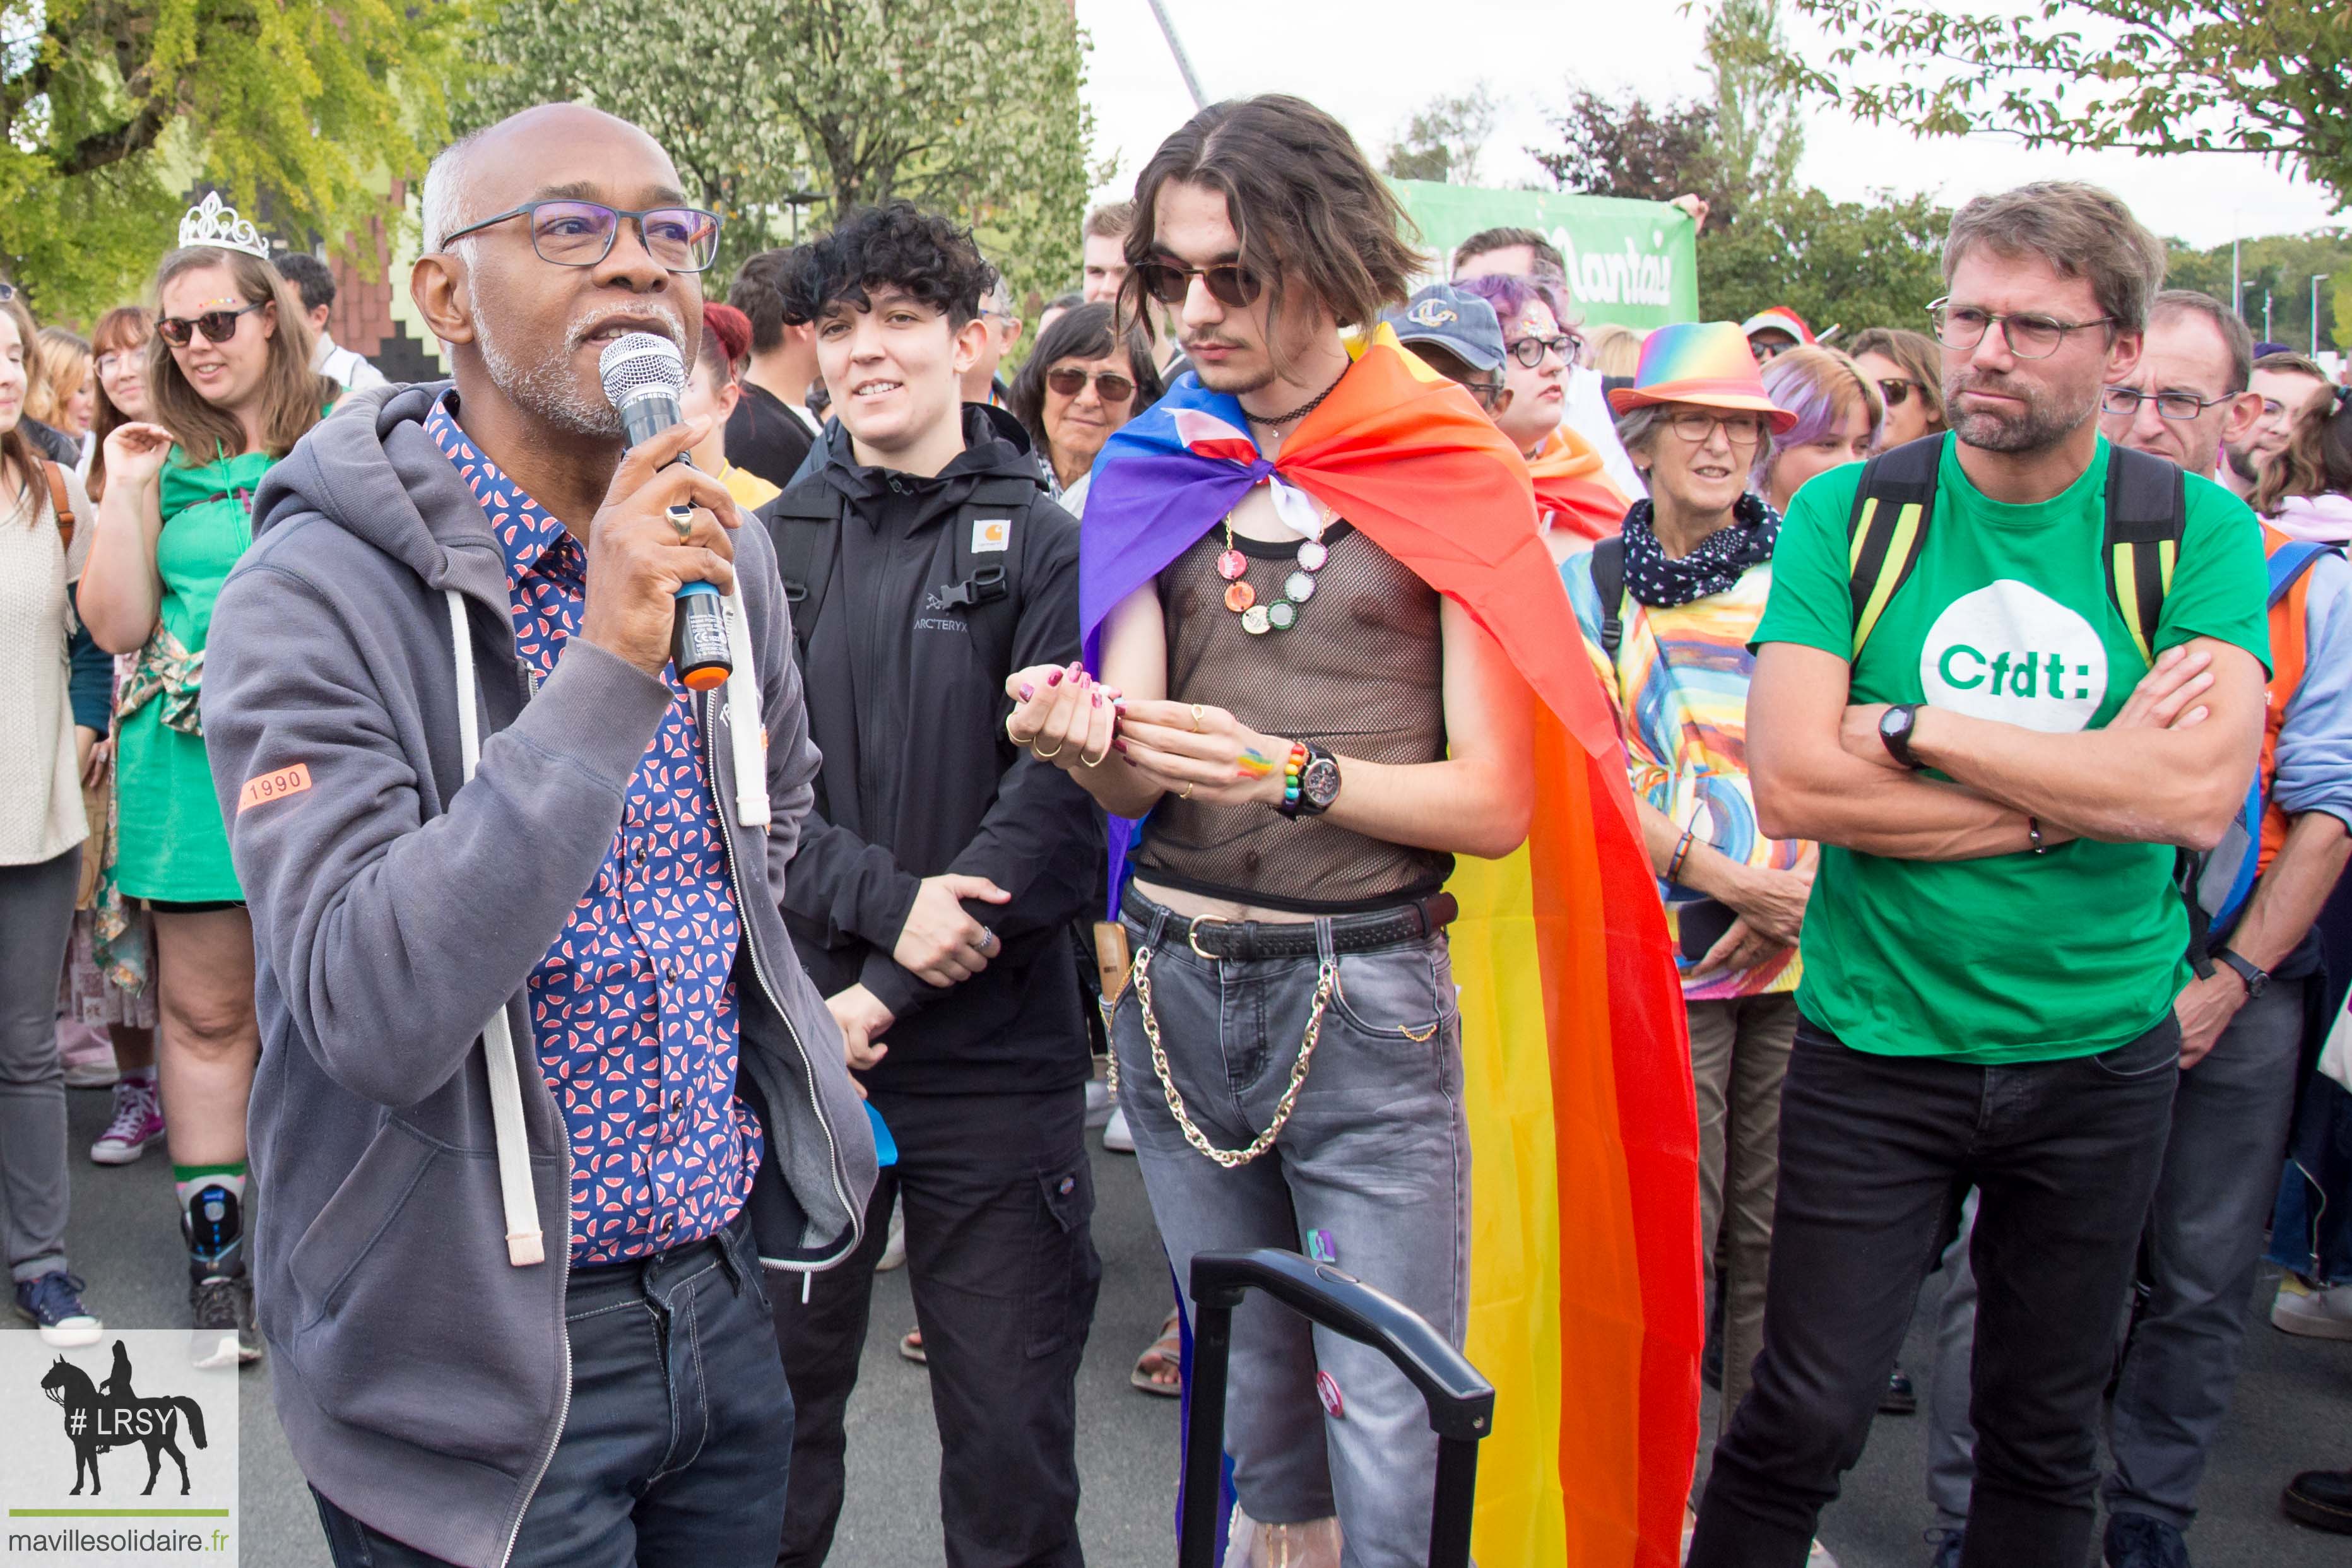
<point>2124,403</point>
<point>1530,351</point>
<point>1697,428</point>
<point>1230,284</point>
<point>1896,390</point>
<point>115,360</point>
<point>1109,385</point>
<point>1487,393</point>
<point>218,326</point>
<point>2029,337</point>
<point>7,292</point>
<point>580,234</point>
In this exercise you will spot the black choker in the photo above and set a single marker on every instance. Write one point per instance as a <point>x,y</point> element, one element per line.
<point>1301,412</point>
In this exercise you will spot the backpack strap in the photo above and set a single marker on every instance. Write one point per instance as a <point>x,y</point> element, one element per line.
<point>2147,511</point>
<point>805,524</point>
<point>59,501</point>
<point>986,590</point>
<point>1609,585</point>
<point>1888,528</point>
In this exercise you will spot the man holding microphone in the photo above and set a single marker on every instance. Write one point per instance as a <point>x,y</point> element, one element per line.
<point>516,1293</point>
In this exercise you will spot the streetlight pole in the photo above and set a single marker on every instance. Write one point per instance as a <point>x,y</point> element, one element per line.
<point>2317,279</point>
<point>2266,316</point>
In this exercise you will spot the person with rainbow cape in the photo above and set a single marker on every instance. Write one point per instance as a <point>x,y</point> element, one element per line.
<point>1326,652</point>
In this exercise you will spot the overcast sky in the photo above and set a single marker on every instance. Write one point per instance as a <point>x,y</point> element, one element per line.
<point>1373,62</point>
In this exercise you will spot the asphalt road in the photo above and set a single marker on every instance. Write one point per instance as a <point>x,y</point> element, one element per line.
<point>2291,1412</point>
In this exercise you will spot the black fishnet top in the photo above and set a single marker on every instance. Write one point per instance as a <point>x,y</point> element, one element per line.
<point>1359,673</point>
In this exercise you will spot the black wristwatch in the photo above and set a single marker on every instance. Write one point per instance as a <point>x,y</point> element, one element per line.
<point>1894,727</point>
<point>2257,980</point>
<point>1319,784</point>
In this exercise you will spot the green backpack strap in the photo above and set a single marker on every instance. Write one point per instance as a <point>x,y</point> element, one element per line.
<point>1888,528</point>
<point>2147,511</point>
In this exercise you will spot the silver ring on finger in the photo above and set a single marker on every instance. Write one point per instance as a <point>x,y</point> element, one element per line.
<point>987,941</point>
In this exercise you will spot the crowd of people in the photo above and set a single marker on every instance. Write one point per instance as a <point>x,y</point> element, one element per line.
<point>1101,735</point>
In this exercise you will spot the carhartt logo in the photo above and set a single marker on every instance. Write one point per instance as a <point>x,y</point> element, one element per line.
<point>2010,652</point>
<point>990,535</point>
<point>275,785</point>
<point>99,1417</point>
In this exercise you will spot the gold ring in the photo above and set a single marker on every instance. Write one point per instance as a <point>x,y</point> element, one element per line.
<point>1047,756</point>
<point>1197,712</point>
<point>1187,794</point>
<point>1085,761</point>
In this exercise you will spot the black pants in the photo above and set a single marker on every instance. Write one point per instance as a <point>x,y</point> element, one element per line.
<point>671,1450</point>
<point>1875,1151</point>
<point>998,1196</point>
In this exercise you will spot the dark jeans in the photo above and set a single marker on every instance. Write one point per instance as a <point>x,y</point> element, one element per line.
<point>998,1196</point>
<point>674,1449</point>
<point>1875,1151</point>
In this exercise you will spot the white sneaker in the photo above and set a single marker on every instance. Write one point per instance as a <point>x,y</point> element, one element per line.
<point>1116,1137</point>
<point>1099,1105</point>
<point>2314,1314</point>
<point>893,1248</point>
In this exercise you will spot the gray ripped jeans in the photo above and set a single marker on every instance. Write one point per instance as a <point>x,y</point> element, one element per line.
<point>1372,1171</point>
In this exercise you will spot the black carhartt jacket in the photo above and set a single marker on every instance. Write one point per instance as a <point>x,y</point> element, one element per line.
<point>912,600</point>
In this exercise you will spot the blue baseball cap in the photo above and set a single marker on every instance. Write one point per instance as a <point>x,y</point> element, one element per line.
<point>1454,319</point>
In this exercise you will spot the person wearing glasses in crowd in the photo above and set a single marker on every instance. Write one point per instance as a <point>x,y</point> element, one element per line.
<point>1773,332</point>
<point>1084,380</point>
<point>1907,369</point>
<point>230,391</point>
<point>981,383</point>
<point>2287,383</point>
<point>1841,419</point>
<point>1991,954</point>
<point>518,1303</point>
<point>1684,585</point>
<point>2242,1023</point>
<point>1550,386</point>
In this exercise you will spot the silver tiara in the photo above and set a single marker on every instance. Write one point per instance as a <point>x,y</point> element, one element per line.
<point>209,223</point>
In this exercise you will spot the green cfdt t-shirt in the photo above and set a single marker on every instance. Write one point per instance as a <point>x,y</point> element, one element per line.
<point>2016,957</point>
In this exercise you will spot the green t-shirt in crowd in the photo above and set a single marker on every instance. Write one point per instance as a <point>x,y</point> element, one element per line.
<point>2007,616</point>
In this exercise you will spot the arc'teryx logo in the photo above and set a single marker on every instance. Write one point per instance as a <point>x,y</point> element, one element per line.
<point>111,1415</point>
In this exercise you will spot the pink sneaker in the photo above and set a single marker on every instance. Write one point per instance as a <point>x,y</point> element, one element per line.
<point>138,1122</point>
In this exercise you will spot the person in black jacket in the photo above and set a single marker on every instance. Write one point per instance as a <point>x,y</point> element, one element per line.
<point>934,887</point>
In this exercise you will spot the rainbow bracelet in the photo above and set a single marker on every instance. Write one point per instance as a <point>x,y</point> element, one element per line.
<point>1292,766</point>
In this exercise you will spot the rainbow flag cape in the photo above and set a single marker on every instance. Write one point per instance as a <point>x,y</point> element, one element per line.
<point>1585,1309</point>
<point>1574,489</point>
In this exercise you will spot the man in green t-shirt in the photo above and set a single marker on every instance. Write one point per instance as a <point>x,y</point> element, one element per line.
<point>1999,780</point>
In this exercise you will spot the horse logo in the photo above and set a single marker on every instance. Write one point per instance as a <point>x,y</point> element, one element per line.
<point>97,1419</point>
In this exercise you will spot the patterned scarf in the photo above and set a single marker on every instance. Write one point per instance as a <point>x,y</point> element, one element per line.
<point>1711,568</point>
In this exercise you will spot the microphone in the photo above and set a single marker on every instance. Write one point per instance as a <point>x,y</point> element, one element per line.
<point>643,374</point>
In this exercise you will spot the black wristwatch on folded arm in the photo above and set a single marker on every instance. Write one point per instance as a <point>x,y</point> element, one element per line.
<point>1894,727</point>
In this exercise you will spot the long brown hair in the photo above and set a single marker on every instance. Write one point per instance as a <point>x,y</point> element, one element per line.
<point>16,450</point>
<point>2317,459</point>
<point>119,332</point>
<point>1311,212</point>
<point>291,392</point>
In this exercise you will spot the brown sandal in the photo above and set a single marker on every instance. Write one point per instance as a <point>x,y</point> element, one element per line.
<point>1164,1358</point>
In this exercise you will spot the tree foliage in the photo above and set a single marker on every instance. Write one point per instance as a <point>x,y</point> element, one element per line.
<point>782,112</point>
<point>1862,264</point>
<point>114,107</point>
<point>1628,147</point>
<point>2267,78</point>
<point>1757,134</point>
<point>1444,138</point>
<point>2278,269</point>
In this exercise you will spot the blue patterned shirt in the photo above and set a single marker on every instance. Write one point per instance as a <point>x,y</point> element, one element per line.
<point>633,1010</point>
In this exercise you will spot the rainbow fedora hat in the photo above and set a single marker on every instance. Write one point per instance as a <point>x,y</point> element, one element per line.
<point>1702,362</point>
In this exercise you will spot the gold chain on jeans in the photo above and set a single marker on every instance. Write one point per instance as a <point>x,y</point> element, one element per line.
<point>1326,978</point>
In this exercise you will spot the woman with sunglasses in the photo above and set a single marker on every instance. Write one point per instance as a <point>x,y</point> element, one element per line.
<point>1838,418</point>
<point>1084,380</point>
<point>1907,367</point>
<point>231,391</point>
<point>1548,384</point>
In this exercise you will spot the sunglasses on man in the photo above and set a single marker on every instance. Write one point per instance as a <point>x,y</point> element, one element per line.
<point>580,234</point>
<point>1109,385</point>
<point>216,325</point>
<point>1230,284</point>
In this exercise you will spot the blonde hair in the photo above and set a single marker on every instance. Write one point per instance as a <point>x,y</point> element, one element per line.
<point>1616,348</point>
<point>65,368</point>
<point>119,332</point>
<point>291,393</point>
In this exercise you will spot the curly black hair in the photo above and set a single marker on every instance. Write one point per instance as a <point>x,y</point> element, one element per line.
<point>895,245</point>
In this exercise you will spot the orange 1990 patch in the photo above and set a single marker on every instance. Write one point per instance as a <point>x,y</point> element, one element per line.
<point>273,786</point>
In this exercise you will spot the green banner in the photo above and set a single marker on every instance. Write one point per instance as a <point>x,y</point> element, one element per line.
<point>1634,262</point>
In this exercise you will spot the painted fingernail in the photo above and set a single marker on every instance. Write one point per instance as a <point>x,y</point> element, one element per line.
<point>1054,679</point>
<point>1117,743</point>
<point>1095,699</point>
<point>1027,691</point>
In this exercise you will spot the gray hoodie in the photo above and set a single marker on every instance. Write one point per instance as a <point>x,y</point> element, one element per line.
<point>421,1367</point>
